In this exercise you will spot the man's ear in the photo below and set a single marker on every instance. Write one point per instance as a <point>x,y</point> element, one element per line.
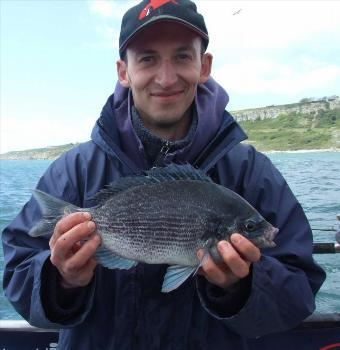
<point>205,67</point>
<point>122,73</point>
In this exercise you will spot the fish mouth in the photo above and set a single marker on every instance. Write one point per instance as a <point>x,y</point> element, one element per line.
<point>269,236</point>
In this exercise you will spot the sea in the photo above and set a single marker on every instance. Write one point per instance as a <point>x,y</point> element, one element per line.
<point>314,177</point>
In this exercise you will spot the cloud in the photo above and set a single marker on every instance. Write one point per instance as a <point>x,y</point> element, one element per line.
<point>110,9</point>
<point>109,15</point>
<point>264,76</point>
<point>20,134</point>
<point>103,8</point>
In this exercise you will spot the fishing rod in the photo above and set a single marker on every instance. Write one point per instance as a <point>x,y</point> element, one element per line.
<point>328,248</point>
<point>324,229</point>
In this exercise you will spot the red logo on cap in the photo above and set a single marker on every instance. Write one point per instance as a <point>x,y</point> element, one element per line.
<point>153,5</point>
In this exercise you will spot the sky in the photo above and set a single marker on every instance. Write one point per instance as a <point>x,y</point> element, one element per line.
<point>58,60</point>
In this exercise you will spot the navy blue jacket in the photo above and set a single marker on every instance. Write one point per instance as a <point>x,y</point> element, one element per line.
<point>126,309</point>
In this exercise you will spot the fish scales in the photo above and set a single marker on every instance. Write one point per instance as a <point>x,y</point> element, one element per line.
<point>168,225</point>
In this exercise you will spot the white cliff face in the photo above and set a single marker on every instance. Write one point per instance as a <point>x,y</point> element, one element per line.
<point>312,107</point>
<point>335,103</point>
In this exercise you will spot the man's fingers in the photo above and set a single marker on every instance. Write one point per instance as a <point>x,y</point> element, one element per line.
<point>236,259</point>
<point>245,248</point>
<point>63,246</point>
<point>77,270</point>
<point>69,221</point>
<point>238,266</point>
<point>216,274</point>
<point>73,245</point>
<point>82,257</point>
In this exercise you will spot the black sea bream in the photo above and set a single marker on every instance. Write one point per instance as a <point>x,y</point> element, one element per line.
<point>163,217</point>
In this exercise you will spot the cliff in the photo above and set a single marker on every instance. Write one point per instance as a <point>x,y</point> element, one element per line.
<point>295,131</point>
<point>51,152</point>
<point>311,107</point>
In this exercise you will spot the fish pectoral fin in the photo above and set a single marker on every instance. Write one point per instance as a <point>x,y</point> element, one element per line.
<point>203,260</point>
<point>112,261</point>
<point>175,276</point>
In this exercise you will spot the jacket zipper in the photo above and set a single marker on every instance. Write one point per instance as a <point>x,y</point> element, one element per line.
<point>162,154</point>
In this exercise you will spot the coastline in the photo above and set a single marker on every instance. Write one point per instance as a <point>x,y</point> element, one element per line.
<point>30,157</point>
<point>321,150</point>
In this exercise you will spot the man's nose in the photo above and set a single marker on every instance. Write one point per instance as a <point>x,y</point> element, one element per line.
<point>166,74</point>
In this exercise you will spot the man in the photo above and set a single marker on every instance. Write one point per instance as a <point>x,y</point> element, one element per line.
<point>166,108</point>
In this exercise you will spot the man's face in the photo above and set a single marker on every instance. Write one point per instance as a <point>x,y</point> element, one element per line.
<point>163,67</point>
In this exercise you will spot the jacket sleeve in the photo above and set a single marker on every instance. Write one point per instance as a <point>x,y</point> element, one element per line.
<point>27,264</point>
<point>280,292</point>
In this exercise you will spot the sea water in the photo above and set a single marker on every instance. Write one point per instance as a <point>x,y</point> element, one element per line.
<point>313,177</point>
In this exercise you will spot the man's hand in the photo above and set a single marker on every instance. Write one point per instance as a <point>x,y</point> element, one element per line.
<point>237,257</point>
<point>73,245</point>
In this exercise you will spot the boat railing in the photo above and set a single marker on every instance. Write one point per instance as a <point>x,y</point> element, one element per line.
<point>20,326</point>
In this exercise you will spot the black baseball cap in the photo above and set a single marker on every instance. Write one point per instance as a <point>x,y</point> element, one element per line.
<point>151,11</point>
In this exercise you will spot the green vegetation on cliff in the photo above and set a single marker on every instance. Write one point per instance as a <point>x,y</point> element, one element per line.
<point>295,131</point>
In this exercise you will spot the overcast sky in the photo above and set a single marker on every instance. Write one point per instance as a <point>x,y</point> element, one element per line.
<point>58,60</point>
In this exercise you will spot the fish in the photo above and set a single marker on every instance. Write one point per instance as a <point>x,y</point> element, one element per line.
<point>163,216</point>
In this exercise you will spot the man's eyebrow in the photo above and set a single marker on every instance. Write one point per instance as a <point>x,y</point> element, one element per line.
<point>145,51</point>
<point>185,48</point>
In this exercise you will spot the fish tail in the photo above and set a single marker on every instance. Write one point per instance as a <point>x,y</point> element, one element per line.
<point>52,209</point>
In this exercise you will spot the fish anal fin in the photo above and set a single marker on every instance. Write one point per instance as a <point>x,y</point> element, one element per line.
<point>175,276</point>
<point>108,259</point>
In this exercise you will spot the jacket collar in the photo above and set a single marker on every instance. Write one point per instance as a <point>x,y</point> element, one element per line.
<point>115,135</point>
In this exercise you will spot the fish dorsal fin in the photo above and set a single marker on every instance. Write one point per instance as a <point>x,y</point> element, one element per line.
<point>175,172</point>
<point>172,172</point>
<point>121,185</point>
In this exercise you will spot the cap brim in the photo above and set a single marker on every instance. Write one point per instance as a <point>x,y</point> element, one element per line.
<point>156,19</point>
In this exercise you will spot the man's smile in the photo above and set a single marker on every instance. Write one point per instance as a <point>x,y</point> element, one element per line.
<point>167,95</point>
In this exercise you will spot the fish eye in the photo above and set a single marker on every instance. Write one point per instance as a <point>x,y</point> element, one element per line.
<point>250,226</point>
